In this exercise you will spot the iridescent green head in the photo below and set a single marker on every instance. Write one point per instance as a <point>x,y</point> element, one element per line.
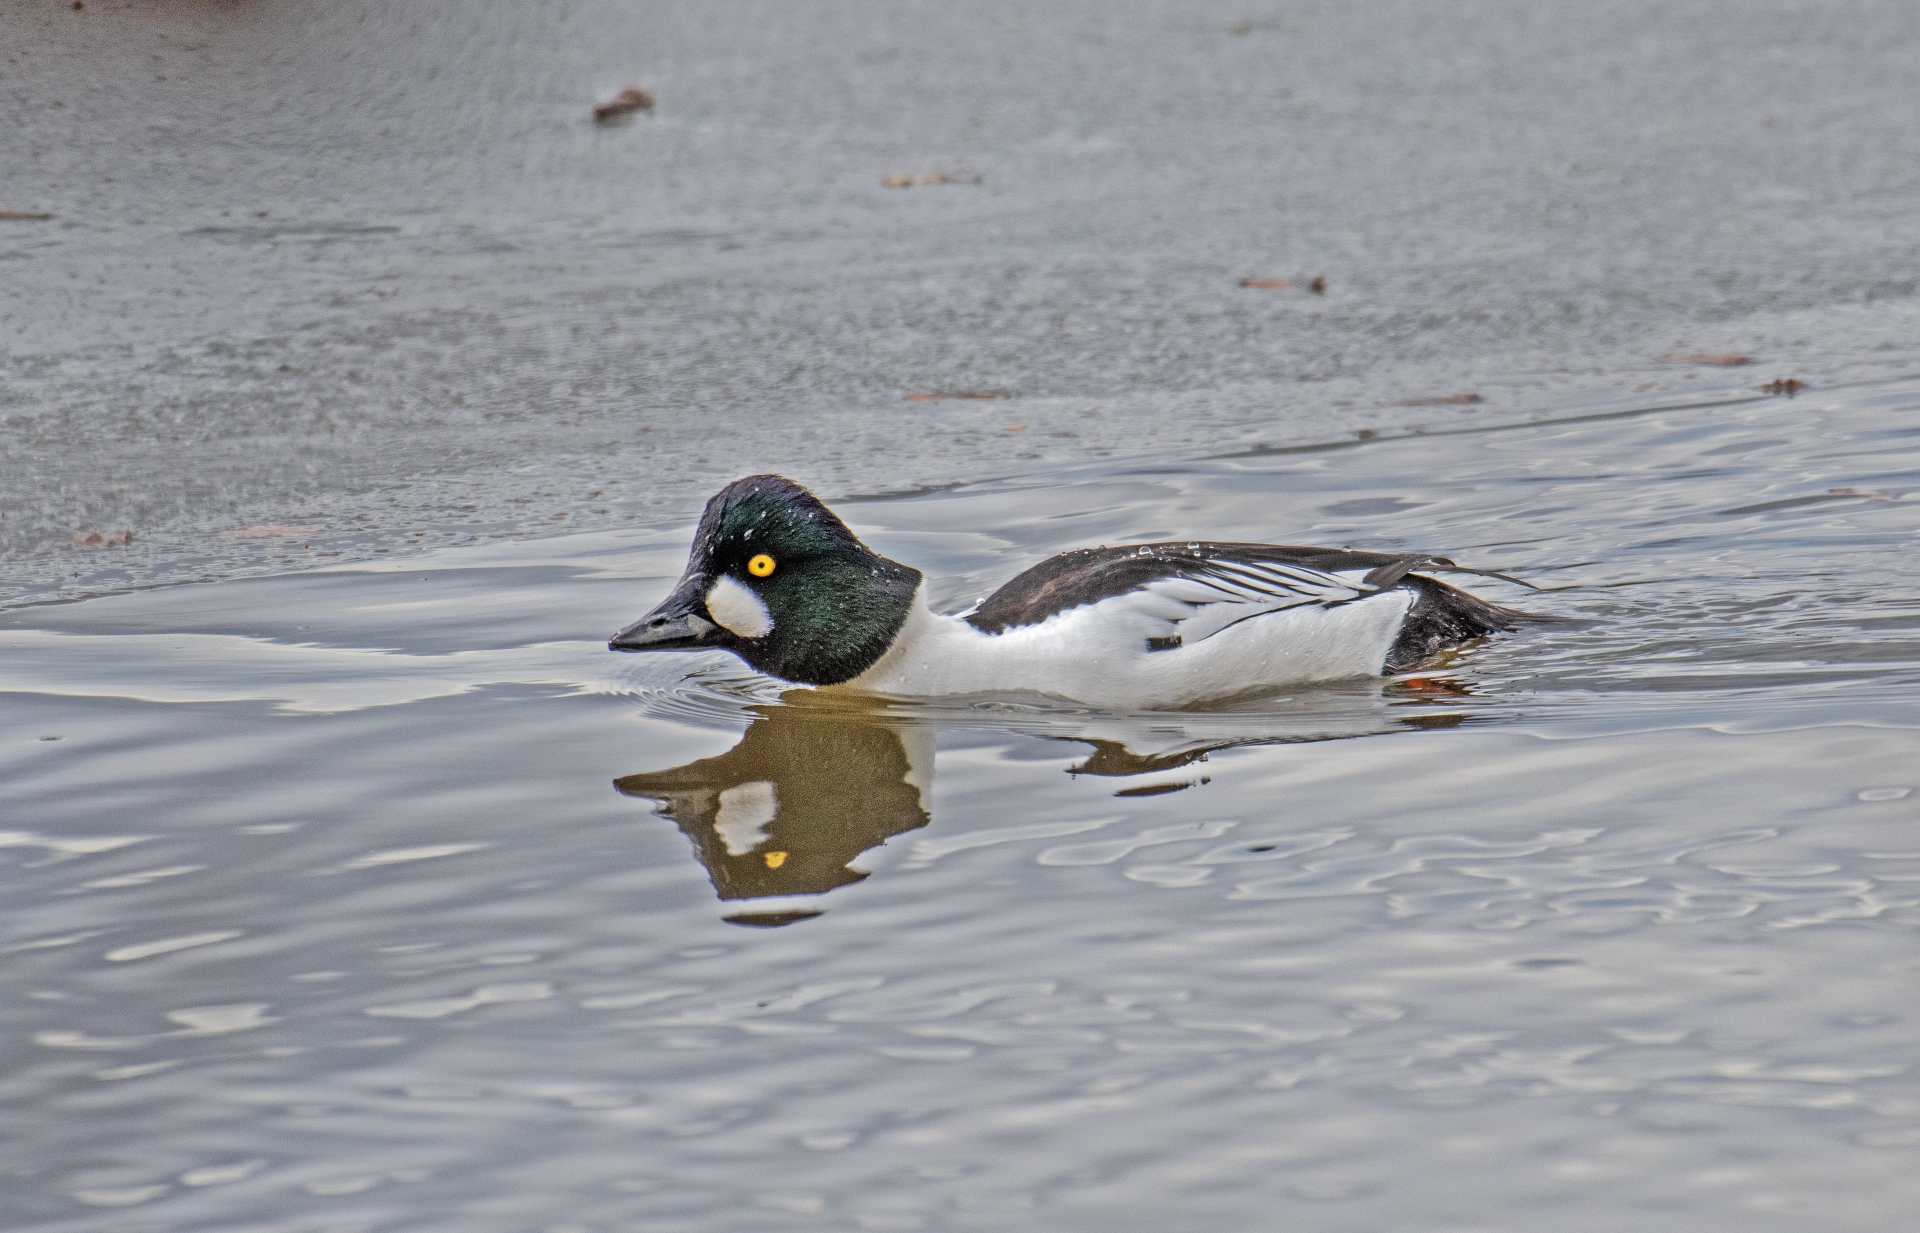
<point>777,578</point>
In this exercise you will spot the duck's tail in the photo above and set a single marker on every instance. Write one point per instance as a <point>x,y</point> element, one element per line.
<point>1444,617</point>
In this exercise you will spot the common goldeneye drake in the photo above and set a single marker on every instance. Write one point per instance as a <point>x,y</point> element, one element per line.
<point>777,578</point>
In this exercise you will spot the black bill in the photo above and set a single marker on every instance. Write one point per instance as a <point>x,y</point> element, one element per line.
<point>679,623</point>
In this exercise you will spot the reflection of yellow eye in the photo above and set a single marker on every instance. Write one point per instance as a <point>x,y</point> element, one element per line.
<point>760,566</point>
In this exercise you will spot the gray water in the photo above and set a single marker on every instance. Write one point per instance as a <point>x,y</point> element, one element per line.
<point>328,914</point>
<point>326,278</point>
<point>357,887</point>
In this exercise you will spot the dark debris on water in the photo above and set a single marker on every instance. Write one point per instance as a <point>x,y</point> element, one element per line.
<point>963,395</point>
<point>1720,360</point>
<point>1317,284</point>
<point>936,177</point>
<point>625,103</point>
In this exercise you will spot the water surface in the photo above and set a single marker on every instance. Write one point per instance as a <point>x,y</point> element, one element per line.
<point>325,278</point>
<point>383,897</point>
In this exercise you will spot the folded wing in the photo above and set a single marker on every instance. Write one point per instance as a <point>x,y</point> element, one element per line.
<point>1215,595</point>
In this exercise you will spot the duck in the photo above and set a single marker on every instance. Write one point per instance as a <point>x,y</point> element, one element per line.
<point>779,580</point>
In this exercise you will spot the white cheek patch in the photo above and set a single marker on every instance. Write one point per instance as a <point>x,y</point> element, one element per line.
<point>738,610</point>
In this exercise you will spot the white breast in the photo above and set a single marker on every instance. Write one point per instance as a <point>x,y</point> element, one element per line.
<point>1097,653</point>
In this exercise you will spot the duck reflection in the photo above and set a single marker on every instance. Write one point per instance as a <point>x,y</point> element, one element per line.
<point>816,780</point>
<point>786,811</point>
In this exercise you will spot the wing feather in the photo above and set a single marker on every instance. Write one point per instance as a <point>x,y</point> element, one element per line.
<point>1179,593</point>
<point>1207,596</point>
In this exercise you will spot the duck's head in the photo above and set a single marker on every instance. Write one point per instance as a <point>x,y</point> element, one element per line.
<point>777,578</point>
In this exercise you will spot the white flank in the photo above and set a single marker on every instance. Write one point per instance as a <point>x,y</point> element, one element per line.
<point>738,610</point>
<point>1097,653</point>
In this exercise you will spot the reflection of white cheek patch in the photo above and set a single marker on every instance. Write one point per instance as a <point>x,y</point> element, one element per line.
<point>745,810</point>
<point>738,609</point>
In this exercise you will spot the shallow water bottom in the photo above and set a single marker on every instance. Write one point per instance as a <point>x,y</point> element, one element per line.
<point>326,911</point>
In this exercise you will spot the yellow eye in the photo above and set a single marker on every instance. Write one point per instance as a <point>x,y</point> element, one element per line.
<point>760,566</point>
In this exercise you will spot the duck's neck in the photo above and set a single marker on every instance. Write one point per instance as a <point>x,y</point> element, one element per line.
<point>929,648</point>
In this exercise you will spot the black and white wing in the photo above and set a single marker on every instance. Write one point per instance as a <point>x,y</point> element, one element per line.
<point>1177,594</point>
<point>1209,596</point>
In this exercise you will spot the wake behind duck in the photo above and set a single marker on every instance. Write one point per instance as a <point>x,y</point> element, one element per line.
<point>777,578</point>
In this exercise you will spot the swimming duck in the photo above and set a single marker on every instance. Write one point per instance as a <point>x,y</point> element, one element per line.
<point>777,578</point>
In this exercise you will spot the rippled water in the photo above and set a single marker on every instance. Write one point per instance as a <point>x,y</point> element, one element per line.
<point>385,898</point>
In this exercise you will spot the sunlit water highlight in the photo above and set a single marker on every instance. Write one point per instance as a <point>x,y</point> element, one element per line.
<point>324,911</point>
